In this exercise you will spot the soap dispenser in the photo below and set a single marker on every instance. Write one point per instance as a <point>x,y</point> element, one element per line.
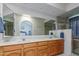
<point>62,35</point>
<point>51,35</point>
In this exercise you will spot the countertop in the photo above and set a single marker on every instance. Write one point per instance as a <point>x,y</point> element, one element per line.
<point>27,41</point>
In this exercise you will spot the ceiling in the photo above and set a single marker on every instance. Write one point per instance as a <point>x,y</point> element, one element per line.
<point>44,10</point>
<point>36,9</point>
<point>71,12</point>
<point>61,6</point>
<point>6,10</point>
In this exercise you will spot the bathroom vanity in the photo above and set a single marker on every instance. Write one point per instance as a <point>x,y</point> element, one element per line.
<point>27,35</point>
<point>45,47</point>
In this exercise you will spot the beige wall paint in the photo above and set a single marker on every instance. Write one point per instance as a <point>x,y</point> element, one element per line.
<point>62,23</point>
<point>37,24</point>
<point>16,24</point>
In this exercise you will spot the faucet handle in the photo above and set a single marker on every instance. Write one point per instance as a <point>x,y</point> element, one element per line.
<point>23,39</point>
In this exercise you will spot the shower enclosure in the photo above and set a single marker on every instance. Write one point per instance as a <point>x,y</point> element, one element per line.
<point>74,25</point>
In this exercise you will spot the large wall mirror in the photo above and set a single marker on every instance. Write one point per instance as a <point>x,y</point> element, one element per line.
<point>18,24</point>
<point>8,19</point>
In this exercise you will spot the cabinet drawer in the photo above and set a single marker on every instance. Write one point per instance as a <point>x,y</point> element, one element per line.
<point>56,43</point>
<point>1,54</point>
<point>60,42</point>
<point>1,49</point>
<point>30,45</point>
<point>12,47</point>
<point>52,42</point>
<point>60,49</point>
<point>43,51</point>
<point>30,52</point>
<point>42,47</point>
<point>42,43</point>
<point>53,51</point>
<point>13,53</point>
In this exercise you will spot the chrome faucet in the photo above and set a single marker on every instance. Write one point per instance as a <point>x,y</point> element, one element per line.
<point>23,39</point>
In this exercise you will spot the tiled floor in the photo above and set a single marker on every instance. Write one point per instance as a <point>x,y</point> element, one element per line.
<point>65,55</point>
<point>74,54</point>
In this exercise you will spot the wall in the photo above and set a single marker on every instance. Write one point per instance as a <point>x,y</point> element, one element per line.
<point>63,23</point>
<point>72,6</point>
<point>50,25</point>
<point>37,24</point>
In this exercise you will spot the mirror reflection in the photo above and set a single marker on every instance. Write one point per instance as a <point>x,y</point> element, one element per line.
<point>26,28</point>
<point>17,24</point>
<point>8,19</point>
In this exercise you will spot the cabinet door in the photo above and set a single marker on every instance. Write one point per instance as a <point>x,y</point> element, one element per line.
<point>60,43</point>
<point>13,53</point>
<point>53,51</point>
<point>60,50</point>
<point>12,48</point>
<point>56,50</point>
<point>1,53</point>
<point>43,51</point>
<point>30,51</point>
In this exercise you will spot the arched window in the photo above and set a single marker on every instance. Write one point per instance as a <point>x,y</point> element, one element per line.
<point>26,28</point>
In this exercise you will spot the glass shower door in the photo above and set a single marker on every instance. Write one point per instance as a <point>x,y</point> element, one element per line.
<point>75,32</point>
<point>76,40</point>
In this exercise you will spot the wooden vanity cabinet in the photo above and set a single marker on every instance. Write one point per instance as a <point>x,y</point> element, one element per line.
<point>43,51</point>
<point>60,46</point>
<point>30,45</point>
<point>60,50</point>
<point>56,43</point>
<point>56,51</point>
<point>56,47</point>
<point>42,48</point>
<point>1,51</point>
<point>36,49</point>
<point>13,50</point>
<point>43,43</point>
<point>30,49</point>
<point>52,51</point>
<point>13,53</point>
